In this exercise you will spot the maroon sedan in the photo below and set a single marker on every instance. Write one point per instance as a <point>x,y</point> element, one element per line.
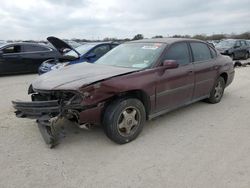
<point>134,82</point>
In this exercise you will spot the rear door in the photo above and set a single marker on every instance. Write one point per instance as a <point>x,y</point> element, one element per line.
<point>33,56</point>
<point>175,87</point>
<point>205,68</point>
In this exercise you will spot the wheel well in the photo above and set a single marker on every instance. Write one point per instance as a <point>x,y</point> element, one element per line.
<point>138,94</point>
<point>224,76</point>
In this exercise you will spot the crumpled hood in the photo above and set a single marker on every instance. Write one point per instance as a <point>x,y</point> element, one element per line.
<point>74,76</point>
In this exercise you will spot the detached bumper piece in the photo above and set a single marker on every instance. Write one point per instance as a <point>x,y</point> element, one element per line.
<point>47,114</point>
<point>50,132</point>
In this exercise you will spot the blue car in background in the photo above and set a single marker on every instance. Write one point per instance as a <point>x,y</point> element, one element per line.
<point>88,52</point>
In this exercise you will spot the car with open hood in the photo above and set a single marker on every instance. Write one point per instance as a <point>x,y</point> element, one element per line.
<point>134,82</point>
<point>88,52</point>
<point>24,57</point>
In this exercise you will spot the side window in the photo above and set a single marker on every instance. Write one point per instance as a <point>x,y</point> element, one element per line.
<point>101,50</point>
<point>178,52</point>
<point>213,52</point>
<point>34,48</point>
<point>200,51</point>
<point>12,49</point>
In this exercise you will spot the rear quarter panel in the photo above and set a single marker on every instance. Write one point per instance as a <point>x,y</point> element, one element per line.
<point>226,66</point>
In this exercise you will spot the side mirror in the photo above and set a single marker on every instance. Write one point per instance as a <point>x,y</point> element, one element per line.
<point>90,55</point>
<point>236,46</point>
<point>170,64</point>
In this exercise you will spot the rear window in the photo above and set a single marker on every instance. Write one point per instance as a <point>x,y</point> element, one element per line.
<point>12,49</point>
<point>34,48</point>
<point>200,51</point>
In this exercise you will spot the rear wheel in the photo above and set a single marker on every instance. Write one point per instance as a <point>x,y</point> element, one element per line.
<point>217,91</point>
<point>237,64</point>
<point>124,119</point>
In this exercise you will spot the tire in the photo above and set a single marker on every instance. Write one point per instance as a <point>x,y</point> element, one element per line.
<point>237,64</point>
<point>217,92</point>
<point>124,119</point>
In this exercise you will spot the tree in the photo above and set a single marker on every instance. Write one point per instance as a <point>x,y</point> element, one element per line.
<point>200,37</point>
<point>157,36</point>
<point>138,37</point>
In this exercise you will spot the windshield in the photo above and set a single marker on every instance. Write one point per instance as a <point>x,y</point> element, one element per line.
<point>80,49</point>
<point>133,55</point>
<point>225,44</point>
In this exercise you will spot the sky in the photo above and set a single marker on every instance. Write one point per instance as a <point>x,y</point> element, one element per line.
<point>97,19</point>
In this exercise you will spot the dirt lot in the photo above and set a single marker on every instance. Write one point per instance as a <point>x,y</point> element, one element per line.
<point>201,145</point>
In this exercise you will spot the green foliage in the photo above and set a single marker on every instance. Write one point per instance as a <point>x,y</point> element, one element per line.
<point>138,37</point>
<point>157,36</point>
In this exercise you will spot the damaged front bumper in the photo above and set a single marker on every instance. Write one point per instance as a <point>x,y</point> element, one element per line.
<point>48,107</point>
<point>46,113</point>
<point>36,109</point>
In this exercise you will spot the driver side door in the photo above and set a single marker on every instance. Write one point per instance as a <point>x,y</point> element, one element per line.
<point>175,87</point>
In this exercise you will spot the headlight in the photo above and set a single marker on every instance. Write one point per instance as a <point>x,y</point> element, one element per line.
<point>59,65</point>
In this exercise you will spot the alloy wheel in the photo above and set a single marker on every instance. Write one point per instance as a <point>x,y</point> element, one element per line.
<point>218,90</point>
<point>128,121</point>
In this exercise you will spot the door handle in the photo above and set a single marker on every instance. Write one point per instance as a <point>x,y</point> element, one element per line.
<point>190,72</point>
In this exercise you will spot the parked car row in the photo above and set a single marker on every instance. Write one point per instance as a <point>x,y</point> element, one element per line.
<point>89,52</point>
<point>134,82</point>
<point>24,57</point>
<point>27,57</point>
<point>235,48</point>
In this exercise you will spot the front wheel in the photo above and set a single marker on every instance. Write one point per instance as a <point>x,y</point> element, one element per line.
<point>217,91</point>
<point>124,119</point>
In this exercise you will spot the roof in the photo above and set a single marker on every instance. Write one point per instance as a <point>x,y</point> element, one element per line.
<point>106,42</point>
<point>22,43</point>
<point>165,40</point>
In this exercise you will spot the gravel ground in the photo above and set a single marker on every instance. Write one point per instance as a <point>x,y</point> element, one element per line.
<point>202,145</point>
